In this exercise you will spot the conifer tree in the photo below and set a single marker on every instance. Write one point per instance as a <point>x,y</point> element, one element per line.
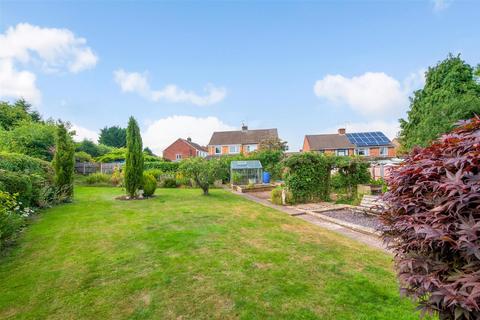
<point>64,161</point>
<point>134,158</point>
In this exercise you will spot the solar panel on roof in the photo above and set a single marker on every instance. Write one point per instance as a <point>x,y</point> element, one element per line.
<point>366,139</point>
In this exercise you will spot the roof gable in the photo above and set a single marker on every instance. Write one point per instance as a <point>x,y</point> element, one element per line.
<point>328,141</point>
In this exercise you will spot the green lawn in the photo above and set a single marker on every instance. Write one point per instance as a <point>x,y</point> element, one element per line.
<point>181,255</point>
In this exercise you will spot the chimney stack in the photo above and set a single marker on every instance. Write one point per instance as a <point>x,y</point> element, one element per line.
<point>244,127</point>
<point>189,139</point>
<point>341,131</point>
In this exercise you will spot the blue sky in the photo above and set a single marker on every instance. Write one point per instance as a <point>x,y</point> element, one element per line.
<point>188,68</point>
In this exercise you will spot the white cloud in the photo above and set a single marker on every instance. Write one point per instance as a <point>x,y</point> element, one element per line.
<point>372,93</point>
<point>440,5</point>
<point>138,83</point>
<point>51,49</point>
<point>18,84</point>
<point>84,133</point>
<point>389,128</point>
<point>161,133</point>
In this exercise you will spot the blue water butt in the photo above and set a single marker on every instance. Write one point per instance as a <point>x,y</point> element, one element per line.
<point>266,177</point>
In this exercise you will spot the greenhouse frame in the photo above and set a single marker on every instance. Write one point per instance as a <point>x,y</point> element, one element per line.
<point>246,172</point>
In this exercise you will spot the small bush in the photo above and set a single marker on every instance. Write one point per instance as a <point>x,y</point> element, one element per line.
<point>169,183</point>
<point>149,184</point>
<point>164,166</point>
<point>98,179</point>
<point>11,216</point>
<point>277,196</point>
<point>117,177</point>
<point>157,173</point>
<point>82,156</point>
<point>22,163</point>
<point>19,183</point>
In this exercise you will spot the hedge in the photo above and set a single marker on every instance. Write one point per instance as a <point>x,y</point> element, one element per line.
<point>22,163</point>
<point>162,165</point>
<point>308,176</point>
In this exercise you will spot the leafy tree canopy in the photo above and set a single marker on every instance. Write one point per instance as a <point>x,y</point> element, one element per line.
<point>113,137</point>
<point>203,172</point>
<point>273,144</point>
<point>451,93</point>
<point>93,149</point>
<point>11,115</point>
<point>31,138</point>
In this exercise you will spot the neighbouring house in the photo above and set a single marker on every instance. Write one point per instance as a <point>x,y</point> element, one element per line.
<point>238,142</point>
<point>373,144</point>
<point>182,149</point>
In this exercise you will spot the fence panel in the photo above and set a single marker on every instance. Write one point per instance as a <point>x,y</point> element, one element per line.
<point>87,168</point>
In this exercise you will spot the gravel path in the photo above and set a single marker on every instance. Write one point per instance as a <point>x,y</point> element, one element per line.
<point>354,217</point>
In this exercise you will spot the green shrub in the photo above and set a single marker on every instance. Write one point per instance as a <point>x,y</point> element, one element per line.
<point>115,155</point>
<point>157,173</point>
<point>117,177</point>
<point>277,196</point>
<point>149,184</point>
<point>22,163</point>
<point>11,216</point>
<point>165,166</point>
<point>16,182</point>
<point>308,176</point>
<point>169,183</point>
<point>98,179</point>
<point>82,156</point>
<point>351,172</point>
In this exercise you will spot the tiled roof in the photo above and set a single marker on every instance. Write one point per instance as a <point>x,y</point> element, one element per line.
<point>242,136</point>
<point>328,141</point>
<point>195,145</point>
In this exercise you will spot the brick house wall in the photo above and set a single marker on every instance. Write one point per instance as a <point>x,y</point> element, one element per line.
<point>179,147</point>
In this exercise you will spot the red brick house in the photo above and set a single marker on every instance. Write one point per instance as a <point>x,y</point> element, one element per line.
<point>370,144</point>
<point>184,148</point>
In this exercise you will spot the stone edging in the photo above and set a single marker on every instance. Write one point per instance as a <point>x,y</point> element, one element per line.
<point>355,227</point>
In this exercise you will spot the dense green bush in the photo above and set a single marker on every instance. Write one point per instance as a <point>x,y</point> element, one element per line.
<point>82,156</point>
<point>169,183</point>
<point>271,161</point>
<point>203,172</point>
<point>99,179</point>
<point>277,196</point>
<point>351,172</point>
<point>308,176</point>
<point>115,155</point>
<point>12,216</point>
<point>22,163</point>
<point>157,173</point>
<point>165,166</point>
<point>149,184</point>
<point>16,182</point>
<point>31,138</point>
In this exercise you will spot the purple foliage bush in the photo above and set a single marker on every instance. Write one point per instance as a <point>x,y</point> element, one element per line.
<point>432,224</point>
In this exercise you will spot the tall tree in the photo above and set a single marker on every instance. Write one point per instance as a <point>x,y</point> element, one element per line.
<point>64,161</point>
<point>113,137</point>
<point>11,115</point>
<point>134,159</point>
<point>451,93</point>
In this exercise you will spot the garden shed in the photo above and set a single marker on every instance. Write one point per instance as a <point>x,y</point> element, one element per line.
<point>246,172</point>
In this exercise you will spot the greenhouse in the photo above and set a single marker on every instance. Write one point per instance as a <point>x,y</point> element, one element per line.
<point>246,172</point>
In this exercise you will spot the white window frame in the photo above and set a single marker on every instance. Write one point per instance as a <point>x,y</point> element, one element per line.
<point>343,151</point>
<point>383,154</point>
<point>366,151</point>
<point>251,147</point>
<point>236,150</point>
<point>178,156</point>
<point>219,148</point>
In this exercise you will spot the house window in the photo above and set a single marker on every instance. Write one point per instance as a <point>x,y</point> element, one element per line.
<point>384,151</point>
<point>251,147</point>
<point>178,156</point>
<point>341,152</point>
<point>362,151</point>
<point>234,149</point>
<point>218,149</point>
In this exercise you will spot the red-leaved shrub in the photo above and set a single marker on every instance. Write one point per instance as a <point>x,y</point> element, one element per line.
<point>432,223</point>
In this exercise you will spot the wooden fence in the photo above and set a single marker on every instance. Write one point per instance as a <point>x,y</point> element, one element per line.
<point>87,168</point>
